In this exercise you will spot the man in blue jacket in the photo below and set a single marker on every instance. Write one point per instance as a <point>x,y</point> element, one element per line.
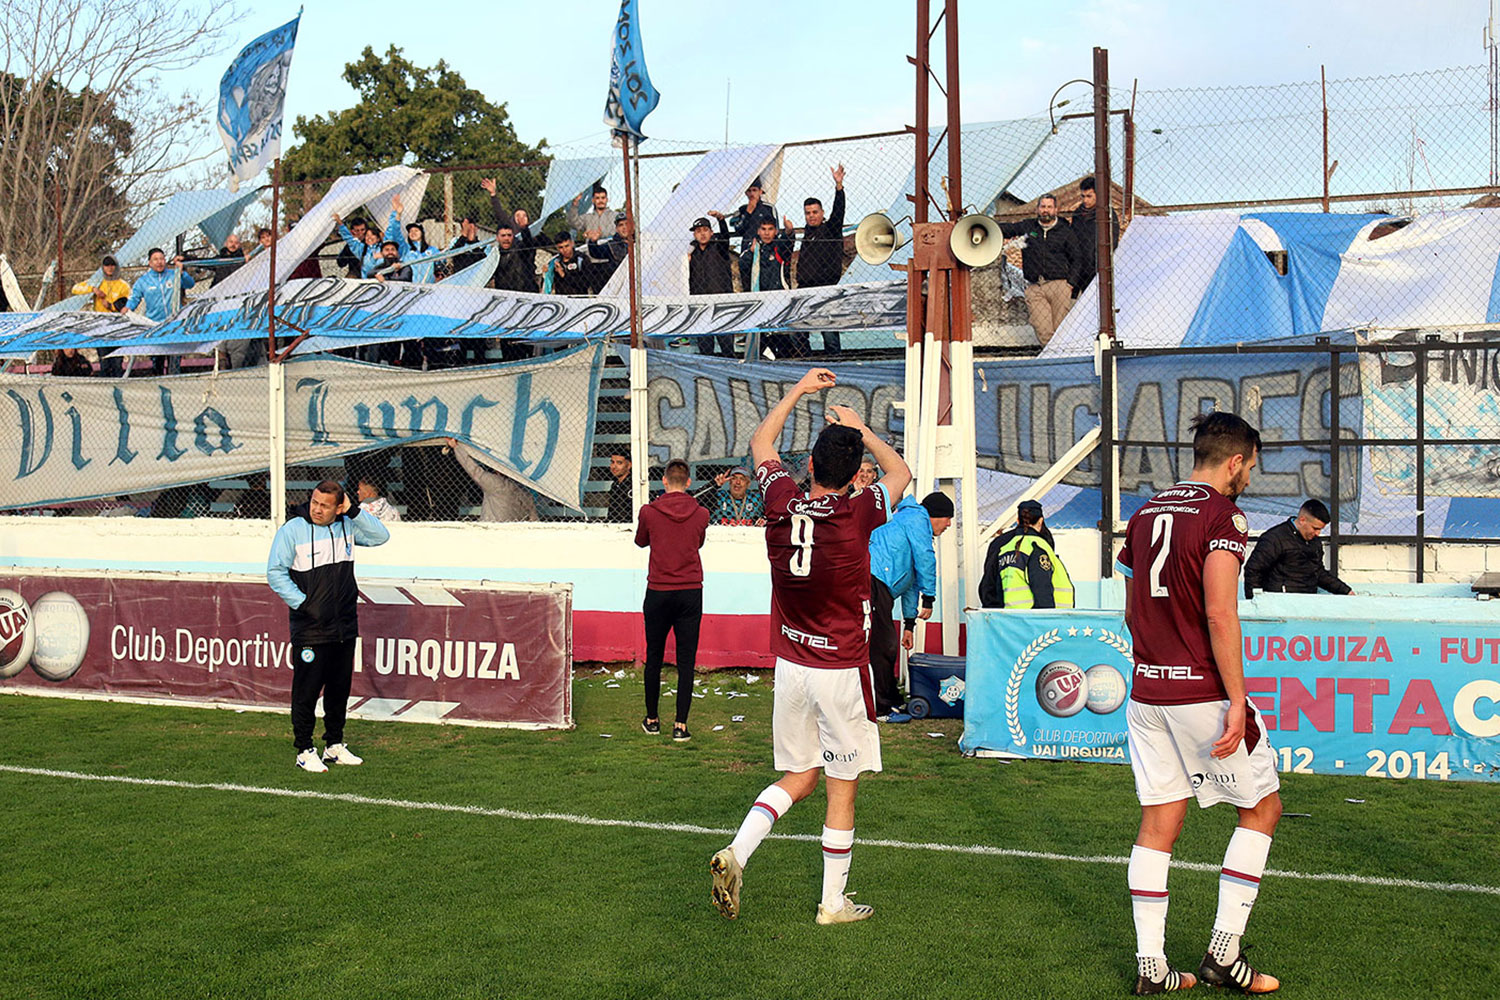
<point>311,568</point>
<point>902,564</point>
<point>158,292</point>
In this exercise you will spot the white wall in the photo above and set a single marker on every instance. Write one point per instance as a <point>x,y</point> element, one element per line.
<point>601,561</point>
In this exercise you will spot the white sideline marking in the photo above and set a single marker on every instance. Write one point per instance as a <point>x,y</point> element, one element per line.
<point>557,817</point>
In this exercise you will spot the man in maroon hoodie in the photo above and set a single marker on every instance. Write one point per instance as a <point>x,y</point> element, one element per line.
<point>673,526</point>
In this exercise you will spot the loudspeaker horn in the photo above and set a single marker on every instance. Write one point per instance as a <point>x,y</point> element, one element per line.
<point>976,240</point>
<point>876,239</point>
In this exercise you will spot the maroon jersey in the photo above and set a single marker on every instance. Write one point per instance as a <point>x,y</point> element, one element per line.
<point>1166,544</point>
<point>820,570</point>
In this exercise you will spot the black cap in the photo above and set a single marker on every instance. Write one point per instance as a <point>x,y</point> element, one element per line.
<point>1029,505</point>
<point>701,220</point>
<point>620,217</point>
<point>109,262</point>
<point>755,184</point>
<point>938,505</point>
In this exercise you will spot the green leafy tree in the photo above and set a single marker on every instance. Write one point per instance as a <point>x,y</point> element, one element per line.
<point>421,117</point>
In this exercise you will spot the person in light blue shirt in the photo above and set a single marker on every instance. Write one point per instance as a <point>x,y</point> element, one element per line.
<point>158,292</point>
<point>370,258</point>
<point>311,568</point>
<point>902,564</point>
<point>363,247</point>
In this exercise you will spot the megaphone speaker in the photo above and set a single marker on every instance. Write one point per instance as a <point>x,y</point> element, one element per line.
<point>976,240</point>
<point>876,239</point>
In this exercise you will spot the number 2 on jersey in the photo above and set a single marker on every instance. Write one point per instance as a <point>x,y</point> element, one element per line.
<point>802,539</point>
<point>1161,528</point>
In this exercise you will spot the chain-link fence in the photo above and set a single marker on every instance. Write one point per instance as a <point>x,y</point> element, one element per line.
<point>1216,193</point>
<point>1402,451</point>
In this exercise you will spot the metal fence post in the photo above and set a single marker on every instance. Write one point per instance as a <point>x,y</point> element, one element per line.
<point>1335,392</point>
<point>276,412</point>
<point>1108,468</point>
<point>1423,353</point>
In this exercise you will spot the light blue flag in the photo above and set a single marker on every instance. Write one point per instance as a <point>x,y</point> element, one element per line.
<point>251,96</point>
<point>631,96</point>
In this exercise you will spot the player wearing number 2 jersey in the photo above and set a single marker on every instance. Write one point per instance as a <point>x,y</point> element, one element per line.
<point>824,712</point>
<point>1190,728</point>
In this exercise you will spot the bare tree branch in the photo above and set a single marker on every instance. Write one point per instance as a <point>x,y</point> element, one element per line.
<point>83,112</point>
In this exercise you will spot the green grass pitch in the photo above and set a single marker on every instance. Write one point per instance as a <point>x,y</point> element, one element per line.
<point>116,890</point>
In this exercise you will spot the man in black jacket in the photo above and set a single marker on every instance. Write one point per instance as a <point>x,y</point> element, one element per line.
<point>1088,238</point>
<point>311,568</point>
<point>608,255</point>
<point>351,263</point>
<point>570,272</point>
<point>468,237</point>
<point>709,274</point>
<point>515,271</point>
<point>821,260</point>
<point>621,503</point>
<point>745,222</point>
<point>1051,262</point>
<point>1289,557</point>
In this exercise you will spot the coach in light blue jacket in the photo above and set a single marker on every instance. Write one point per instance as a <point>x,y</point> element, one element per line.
<point>311,568</point>
<point>902,564</point>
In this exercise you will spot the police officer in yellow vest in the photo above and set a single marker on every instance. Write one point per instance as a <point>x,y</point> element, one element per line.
<point>1021,568</point>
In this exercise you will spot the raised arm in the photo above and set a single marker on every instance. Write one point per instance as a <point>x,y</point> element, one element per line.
<point>897,476</point>
<point>763,440</point>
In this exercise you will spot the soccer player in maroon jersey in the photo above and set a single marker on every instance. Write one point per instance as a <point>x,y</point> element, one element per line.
<point>1191,730</point>
<point>824,713</point>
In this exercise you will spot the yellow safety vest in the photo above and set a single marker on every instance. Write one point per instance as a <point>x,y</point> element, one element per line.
<point>1015,586</point>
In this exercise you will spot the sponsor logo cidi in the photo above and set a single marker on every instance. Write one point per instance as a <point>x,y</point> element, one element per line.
<point>401,656</point>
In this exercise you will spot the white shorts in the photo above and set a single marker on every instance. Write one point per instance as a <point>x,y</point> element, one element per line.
<point>825,718</point>
<point>1171,755</point>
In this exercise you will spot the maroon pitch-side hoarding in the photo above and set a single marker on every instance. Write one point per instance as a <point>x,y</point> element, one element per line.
<point>478,653</point>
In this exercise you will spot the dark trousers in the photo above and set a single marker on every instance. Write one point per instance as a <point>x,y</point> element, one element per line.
<point>681,612</point>
<point>329,670</point>
<point>885,647</point>
<point>725,341</point>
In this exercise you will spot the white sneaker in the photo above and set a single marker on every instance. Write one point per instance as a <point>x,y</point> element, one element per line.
<point>308,761</point>
<point>338,753</point>
<point>846,914</point>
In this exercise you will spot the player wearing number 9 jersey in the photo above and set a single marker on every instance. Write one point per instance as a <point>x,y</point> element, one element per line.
<point>823,717</point>
<point>1190,728</point>
<point>818,546</point>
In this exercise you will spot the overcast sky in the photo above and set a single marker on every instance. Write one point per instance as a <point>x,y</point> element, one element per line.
<point>799,69</point>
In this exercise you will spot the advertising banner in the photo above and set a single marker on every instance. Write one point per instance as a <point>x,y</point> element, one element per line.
<point>1398,699</point>
<point>88,437</point>
<point>427,652</point>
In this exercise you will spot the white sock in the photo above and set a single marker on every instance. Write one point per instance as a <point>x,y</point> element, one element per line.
<point>838,845</point>
<point>770,805</point>
<point>1239,883</point>
<point>1147,877</point>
